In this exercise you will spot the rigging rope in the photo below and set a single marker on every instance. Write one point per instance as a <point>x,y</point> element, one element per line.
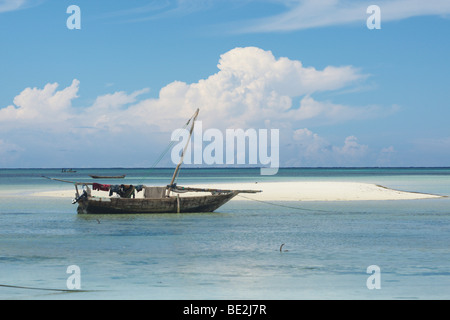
<point>285,206</point>
<point>168,147</point>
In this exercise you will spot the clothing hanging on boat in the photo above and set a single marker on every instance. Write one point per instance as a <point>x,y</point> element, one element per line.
<point>127,191</point>
<point>101,187</point>
<point>124,191</point>
<point>114,189</point>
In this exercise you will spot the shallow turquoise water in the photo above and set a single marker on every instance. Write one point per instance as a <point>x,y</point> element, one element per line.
<point>235,252</point>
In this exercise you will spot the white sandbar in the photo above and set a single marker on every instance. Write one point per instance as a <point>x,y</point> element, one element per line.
<point>292,191</point>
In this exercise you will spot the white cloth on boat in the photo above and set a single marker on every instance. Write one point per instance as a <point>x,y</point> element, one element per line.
<point>154,192</point>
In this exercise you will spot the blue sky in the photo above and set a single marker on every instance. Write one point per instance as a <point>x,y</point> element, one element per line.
<point>110,94</point>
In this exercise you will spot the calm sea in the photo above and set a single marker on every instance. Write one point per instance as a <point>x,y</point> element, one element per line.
<point>233,253</point>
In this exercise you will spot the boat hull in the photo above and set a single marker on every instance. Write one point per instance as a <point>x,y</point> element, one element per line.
<point>209,203</point>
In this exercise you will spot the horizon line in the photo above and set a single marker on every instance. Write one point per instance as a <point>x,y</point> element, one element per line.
<point>229,167</point>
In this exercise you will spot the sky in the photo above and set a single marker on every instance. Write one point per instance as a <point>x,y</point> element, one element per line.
<point>111,93</point>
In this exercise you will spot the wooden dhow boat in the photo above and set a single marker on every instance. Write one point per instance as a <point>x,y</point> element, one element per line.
<point>151,203</point>
<point>166,199</point>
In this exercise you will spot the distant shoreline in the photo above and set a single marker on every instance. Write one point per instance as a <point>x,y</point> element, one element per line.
<point>190,167</point>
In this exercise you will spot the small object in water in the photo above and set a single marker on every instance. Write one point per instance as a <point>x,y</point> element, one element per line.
<point>281,247</point>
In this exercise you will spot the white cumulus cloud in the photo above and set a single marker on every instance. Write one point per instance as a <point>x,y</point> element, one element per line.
<point>36,107</point>
<point>251,89</point>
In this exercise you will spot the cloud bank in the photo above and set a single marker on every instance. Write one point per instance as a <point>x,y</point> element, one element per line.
<point>252,89</point>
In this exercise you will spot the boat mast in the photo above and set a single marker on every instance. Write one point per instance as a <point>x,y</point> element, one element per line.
<point>170,187</point>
